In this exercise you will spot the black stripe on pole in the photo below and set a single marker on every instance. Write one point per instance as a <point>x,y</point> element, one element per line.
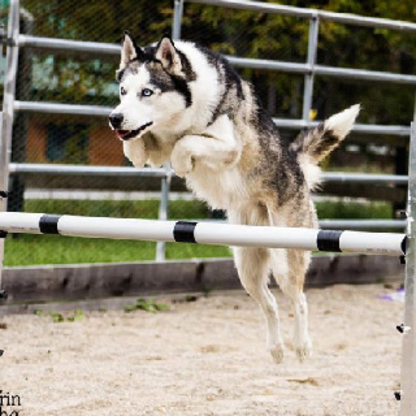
<point>404,245</point>
<point>183,232</point>
<point>328,240</point>
<point>48,224</point>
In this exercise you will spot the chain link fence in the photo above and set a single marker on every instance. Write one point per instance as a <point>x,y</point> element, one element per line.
<point>75,78</point>
<point>87,78</point>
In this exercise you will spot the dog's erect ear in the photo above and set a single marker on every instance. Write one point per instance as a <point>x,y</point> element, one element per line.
<point>167,54</point>
<point>129,50</point>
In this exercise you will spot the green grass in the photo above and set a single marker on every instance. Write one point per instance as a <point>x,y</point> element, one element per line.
<point>77,315</point>
<point>147,305</point>
<point>147,209</point>
<point>357,210</point>
<point>26,250</point>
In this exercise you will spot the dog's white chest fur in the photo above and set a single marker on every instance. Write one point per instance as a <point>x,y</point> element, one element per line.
<point>221,190</point>
<point>210,163</point>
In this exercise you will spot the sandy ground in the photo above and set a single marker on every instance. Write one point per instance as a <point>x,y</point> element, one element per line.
<point>206,358</point>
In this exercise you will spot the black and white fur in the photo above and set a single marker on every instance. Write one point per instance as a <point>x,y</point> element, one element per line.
<point>182,103</point>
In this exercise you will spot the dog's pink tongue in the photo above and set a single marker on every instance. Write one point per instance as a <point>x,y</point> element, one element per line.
<point>122,133</point>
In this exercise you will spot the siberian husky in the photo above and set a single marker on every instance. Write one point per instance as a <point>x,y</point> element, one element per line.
<point>183,103</point>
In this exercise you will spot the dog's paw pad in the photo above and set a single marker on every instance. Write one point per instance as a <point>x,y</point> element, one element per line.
<point>184,168</point>
<point>138,163</point>
<point>304,350</point>
<point>277,351</point>
<point>181,173</point>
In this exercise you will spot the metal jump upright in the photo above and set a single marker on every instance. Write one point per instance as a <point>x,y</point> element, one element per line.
<point>7,115</point>
<point>408,373</point>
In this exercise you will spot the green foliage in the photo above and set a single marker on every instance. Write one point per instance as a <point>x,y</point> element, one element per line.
<point>57,317</point>
<point>147,305</point>
<point>270,36</point>
<point>77,316</point>
<point>87,78</point>
<point>191,298</point>
<point>90,79</point>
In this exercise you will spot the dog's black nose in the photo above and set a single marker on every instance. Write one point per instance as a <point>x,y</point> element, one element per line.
<point>116,119</point>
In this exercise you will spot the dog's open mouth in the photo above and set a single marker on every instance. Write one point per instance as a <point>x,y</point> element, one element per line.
<point>129,134</point>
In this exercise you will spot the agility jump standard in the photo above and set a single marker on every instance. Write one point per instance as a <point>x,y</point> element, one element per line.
<point>205,233</point>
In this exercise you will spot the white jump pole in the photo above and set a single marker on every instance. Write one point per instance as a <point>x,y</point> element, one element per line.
<point>205,233</point>
<point>407,395</point>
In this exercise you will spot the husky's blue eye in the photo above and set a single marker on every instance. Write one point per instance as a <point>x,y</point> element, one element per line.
<point>123,91</point>
<point>146,92</point>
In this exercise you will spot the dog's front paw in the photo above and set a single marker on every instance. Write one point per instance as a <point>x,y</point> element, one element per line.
<point>303,348</point>
<point>182,161</point>
<point>136,152</point>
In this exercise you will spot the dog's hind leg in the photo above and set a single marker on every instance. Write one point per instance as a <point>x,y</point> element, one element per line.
<point>252,265</point>
<point>289,267</point>
<point>253,269</point>
<point>291,278</point>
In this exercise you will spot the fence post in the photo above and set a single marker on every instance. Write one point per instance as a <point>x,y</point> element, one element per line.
<point>163,211</point>
<point>309,78</point>
<point>21,119</point>
<point>165,185</point>
<point>177,19</point>
<point>6,128</point>
<point>3,179</point>
<point>408,372</point>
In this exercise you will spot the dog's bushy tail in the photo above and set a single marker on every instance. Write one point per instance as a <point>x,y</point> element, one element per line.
<point>320,141</point>
<point>312,146</point>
